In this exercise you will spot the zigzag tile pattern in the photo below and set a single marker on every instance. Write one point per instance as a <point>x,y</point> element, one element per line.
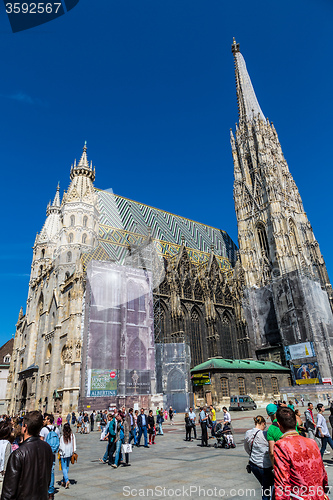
<point>124,222</point>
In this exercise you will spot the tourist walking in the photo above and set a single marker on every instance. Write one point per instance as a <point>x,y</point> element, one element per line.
<point>159,421</point>
<point>142,425</point>
<point>59,422</point>
<point>130,422</point>
<point>22,481</point>
<point>212,415</point>
<point>299,471</point>
<point>68,418</point>
<point>330,418</point>
<point>322,430</point>
<point>5,447</point>
<point>310,424</point>
<point>66,449</point>
<point>51,434</point>
<point>192,416</point>
<point>256,446</point>
<point>85,423</point>
<point>171,415</point>
<point>226,416</point>
<point>119,440</point>
<point>274,432</point>
<point>92,422</point>
<point>188,427</point>
<point>79,424</point>
<point>299,423</point>
<point>203,418</point>
<point>151,427</point>
<point>73,418</point>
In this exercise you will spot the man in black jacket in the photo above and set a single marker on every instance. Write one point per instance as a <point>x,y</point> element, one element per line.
<point>29,467</point>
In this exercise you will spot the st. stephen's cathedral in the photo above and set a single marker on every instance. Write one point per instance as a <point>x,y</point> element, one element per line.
<point>183,283</point>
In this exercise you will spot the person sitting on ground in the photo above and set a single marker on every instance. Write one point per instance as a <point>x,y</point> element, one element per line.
<point>298,466</point>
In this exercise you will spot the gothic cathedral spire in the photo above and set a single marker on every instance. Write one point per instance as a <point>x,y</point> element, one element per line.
<point>275,236</point>
<point>285,274</point>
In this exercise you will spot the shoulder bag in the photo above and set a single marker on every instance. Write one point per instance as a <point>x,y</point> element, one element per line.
<point>248,466</point>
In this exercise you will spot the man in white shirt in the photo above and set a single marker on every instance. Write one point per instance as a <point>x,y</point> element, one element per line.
<point>226,416</point>
<point>192,417</point>
<point>323,429</point>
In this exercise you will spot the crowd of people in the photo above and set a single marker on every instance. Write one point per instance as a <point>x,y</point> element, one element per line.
<point>287,458</point>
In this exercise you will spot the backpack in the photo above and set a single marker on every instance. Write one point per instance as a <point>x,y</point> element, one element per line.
<point>53,440</point>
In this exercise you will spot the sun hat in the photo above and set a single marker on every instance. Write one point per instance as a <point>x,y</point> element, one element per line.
<point>271,409</point>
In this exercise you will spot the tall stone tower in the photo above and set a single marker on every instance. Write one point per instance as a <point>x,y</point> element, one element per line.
<point>45,367</point>
<point>287,289</point>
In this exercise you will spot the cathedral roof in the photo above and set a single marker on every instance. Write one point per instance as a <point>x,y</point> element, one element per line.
<point>124,222</point>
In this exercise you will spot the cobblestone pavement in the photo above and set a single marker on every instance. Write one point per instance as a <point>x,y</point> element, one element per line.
<point>172,468</point>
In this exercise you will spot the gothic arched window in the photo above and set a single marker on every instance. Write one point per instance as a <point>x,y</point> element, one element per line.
<point>72,220</point>
<point>187,289</point>
<point>85,221</point>
<point>43,253</point>
<point>197,291</point>
<point>70,238</point>
<point>226,337</point>
<point>84,239</point>
<point>263,241</point>
<point>69,256</point>
<point>196,338</point>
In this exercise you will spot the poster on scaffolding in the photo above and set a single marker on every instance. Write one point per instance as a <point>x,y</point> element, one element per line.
<point>306,373</point>
<point>102,383</point>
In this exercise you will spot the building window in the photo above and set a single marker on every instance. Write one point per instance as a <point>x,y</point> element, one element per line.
<point>43,253</point>
<point>259,386</point>
<point>70,238</point>
<point>72,220</point>
<point>84,239</point>
<point>225,387</point>
<point>289,381</point>
<point>263,241</point>
<point>241,386</point>
<point>69,256</point>
<point>49,351</point>
<point>85,221</point>
<point>275,385</point>
<point>7,359</point>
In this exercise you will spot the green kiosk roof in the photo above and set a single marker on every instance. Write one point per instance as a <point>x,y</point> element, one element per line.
<point>239,364</point>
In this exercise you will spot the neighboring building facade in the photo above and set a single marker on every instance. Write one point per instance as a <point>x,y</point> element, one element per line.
<point>287,292</point>
<point>5,358</point>
<point>261,380</point>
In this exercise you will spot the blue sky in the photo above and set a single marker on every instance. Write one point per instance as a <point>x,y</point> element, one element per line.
<point>150,86</point>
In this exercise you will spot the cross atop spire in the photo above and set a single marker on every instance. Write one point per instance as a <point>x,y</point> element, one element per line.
<point>248,106</point>
<point>84,159</point>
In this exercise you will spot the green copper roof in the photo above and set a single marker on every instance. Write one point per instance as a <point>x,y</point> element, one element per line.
<point>239,364</point>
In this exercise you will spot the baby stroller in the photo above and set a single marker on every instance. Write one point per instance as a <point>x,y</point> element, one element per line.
<point>224,436</point>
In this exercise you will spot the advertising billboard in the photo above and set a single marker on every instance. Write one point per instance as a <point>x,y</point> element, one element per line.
<point>306,373</point>
<point>102,383</point>
<point>299,351</point>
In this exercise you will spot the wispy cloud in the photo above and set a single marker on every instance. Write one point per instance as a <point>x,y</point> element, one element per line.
<point>25,98</point>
